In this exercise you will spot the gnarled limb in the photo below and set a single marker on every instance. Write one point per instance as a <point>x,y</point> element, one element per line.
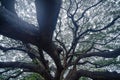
<point>14,27</point>
<point>95,75</point>
<point>32,67</point>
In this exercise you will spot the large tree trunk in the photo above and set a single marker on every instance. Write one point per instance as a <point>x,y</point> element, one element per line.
<point>47,15</point>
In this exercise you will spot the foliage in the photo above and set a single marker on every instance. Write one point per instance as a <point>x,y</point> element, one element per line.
<point>72,40</point>
<point>33,77</point>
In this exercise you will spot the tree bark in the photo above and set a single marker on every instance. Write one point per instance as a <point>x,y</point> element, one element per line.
<point>96,75</point>
<point>47,15</point>
<point>14,27</point>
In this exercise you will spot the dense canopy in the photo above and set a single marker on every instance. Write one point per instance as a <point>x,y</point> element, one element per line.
<point>60,39</point>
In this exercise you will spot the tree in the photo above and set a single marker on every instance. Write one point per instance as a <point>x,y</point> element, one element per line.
<point>89,37</point>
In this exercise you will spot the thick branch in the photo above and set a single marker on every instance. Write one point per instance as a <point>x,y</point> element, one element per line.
<point>14,27</point>
<point>4,49</point>
<point>97,65</point>
<point>47,14</point>
<point>107,26</point>
<point>30,53</point>
<point>106,54</point>
<point>21,65</point>
<point>29,66</point>
<point>96,75</point>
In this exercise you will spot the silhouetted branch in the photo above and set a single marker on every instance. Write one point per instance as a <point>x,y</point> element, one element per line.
<point>107,26</point>
<point>106,54</point>
<point>1,72</point>
<point>93,30</point>
<point>31,67</point>
<point>14,27</point>
<point>95,75</point>
<point>71,57</point>
<point>18,65</point>
<point>15,76</point>
<point>31,54</point>
<point>97,65</point>
<point>83,13</point>
<point>4,49</point>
